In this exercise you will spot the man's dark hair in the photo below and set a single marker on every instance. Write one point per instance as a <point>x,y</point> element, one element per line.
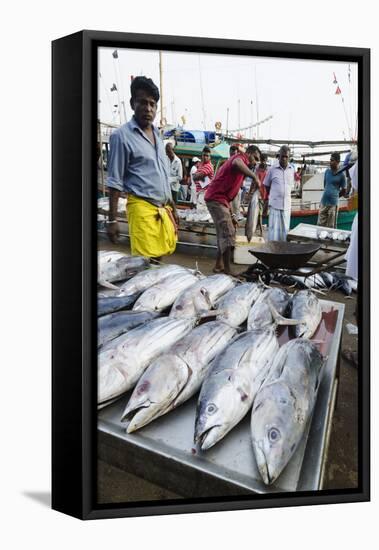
<point>206,149</point>
<point>335,156</point>
<point>253,149</point>
<point>284,149</point>
<point>143,83</point>
<point>263,157</point>
<point>233,148</point>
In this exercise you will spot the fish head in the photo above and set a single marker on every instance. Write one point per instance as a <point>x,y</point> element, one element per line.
<point>275,430</point>
<point>156,391</point>
<point>149,301</point>
<point>221,406</point>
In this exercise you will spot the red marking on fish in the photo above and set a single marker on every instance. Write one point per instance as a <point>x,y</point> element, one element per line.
<point>142,388</point>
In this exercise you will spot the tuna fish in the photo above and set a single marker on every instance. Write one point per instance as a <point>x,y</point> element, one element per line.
<point>113,325</point>
<point>112,268</point>
<point>283,406</point>
<point>230,387</point>
<point>271,300</point>
<point>252,216</point>
<point>110,304</point>
<point>201,297</point>
<point>306,308</point>
<point>122,361</point>
<point>234,307</point>
<point>176,375</point>
<point>146,279</point>
<point>163,294</point>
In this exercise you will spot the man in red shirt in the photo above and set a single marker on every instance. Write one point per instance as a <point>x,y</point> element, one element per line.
<point>218,196</point>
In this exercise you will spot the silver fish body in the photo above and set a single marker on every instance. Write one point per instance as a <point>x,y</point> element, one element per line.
<point>305,307</point>
<point>111,304</point>
<point>141,282</point>
<point>111,326</point>
<point>234,307</point>
<point>114,269</point>
<point>201,297</point>
<point>252,216</point>
<point>163,294</point>
<point>283,406</point>
<point>260,314</point>
<point>230,387</point>
<point>176,375</point>
<point>122,361</point>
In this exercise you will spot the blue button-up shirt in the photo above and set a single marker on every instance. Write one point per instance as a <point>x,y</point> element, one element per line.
<point>280,181</point>
<point>137,166</point>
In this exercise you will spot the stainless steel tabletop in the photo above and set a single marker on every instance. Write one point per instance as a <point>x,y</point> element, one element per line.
<point>163,451</point>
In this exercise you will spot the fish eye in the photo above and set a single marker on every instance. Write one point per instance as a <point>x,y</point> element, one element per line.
<point>211,408</point>
<point>273,435</point>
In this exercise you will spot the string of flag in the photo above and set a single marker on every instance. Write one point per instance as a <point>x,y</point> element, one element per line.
<point>339,92</point>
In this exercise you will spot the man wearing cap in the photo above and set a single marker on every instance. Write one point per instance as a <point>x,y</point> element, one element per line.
<point>334,187</point>
<point>279,181</point>
<point>138,166</point>
<point>195,164</point>
<point>219,195</point>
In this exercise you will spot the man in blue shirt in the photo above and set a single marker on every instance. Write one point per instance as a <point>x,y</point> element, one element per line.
<point>139,167</point>
<point>334,187</point>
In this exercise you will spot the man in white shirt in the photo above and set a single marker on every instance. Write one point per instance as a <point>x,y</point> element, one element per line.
<point>176,171</point>
<point>279,181</point>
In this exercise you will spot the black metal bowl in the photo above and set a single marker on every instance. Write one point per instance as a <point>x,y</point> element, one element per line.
<point>283,254</point>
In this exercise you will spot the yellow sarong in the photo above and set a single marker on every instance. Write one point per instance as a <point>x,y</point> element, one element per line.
<point>151,228</point>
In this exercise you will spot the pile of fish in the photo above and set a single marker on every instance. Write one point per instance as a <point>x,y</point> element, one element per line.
<point>152,343</point>
<point>323,281</point>
<point>333,235</point>
<point>194,215</point>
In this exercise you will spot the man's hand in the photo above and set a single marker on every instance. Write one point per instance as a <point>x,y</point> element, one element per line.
<point>113,231</point>
<point>235,222</point>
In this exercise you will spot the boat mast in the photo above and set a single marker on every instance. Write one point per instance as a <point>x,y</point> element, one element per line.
<point>161,86</point>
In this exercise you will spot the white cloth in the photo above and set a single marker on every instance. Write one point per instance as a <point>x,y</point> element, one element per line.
<point>352,251</point>
<point>176,173</point>
<point>278,224</point>
<point>280,182</point>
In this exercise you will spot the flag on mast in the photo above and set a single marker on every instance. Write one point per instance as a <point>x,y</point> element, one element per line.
<point>338,91</point>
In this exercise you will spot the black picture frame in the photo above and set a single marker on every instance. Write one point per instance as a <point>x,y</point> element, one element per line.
<point>74,333</point>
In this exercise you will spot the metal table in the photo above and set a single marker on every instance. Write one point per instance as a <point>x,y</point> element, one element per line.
<point>163,451</point>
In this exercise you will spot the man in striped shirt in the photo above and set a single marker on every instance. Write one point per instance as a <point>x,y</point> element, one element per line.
<point>205,172</point>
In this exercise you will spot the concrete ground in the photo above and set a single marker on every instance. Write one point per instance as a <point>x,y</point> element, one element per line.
<point>115,485</point>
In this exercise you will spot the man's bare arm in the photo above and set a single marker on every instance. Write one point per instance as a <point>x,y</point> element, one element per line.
<point>112,225</point>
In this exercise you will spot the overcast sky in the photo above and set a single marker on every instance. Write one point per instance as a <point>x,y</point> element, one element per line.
<point>299,95</point>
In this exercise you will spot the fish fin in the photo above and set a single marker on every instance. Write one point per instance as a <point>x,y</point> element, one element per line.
<point>107,284</point>
<point>279,319</point>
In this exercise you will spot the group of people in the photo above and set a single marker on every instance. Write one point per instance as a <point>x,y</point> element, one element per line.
<point>151,175</point>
